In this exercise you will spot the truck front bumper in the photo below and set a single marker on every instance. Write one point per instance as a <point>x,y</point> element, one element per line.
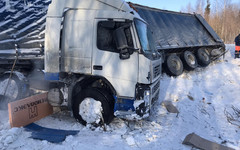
<point>140,106</point>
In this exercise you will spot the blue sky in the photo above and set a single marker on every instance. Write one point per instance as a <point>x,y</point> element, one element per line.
<point>174,5</point>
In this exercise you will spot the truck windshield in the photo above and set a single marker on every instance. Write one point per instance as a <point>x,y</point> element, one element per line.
<point>145,36</point>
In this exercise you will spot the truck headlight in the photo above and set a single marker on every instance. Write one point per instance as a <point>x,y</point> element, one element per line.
<point>146,97</point>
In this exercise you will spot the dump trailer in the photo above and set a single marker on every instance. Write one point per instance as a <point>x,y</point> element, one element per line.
<point>97,56</point>
<point>185,39</point>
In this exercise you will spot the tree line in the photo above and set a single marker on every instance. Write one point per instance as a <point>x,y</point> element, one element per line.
<point>222,15</point>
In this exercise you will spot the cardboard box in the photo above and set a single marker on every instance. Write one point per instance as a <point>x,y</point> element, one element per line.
<point>29,110</point>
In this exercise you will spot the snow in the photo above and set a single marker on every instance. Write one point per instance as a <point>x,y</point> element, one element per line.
<point>90,110</point>
<point>201,96</point>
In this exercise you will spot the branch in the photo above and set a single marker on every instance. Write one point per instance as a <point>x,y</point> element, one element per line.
<point>233,118</point>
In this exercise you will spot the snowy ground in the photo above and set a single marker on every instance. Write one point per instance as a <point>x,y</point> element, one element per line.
<point>201,97</point>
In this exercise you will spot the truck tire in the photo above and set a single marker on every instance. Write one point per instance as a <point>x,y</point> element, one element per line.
<point>189,60</point>
<point>173,65</point>
<point>203,57</point>
<point>16,89</point>
<point>87,109</point>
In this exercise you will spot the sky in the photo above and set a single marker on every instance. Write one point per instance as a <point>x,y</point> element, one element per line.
<point>174,5</point>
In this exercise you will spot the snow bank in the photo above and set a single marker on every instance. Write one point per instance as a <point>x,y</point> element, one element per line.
<point>201,96</point>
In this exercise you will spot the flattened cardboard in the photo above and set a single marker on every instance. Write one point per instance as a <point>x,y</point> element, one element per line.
<point>29,110</point>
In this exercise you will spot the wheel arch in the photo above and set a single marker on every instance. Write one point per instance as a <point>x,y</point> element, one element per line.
<point>86,82</point>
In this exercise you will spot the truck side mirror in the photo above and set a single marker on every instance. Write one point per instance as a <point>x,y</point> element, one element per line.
<point>121,42</point>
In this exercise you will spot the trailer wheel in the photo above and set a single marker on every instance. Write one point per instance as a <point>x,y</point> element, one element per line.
<point>11,90</point>
<point>173,65</point>
<point>189,60</point>
<point>90,104</point>
<point>203,57</point>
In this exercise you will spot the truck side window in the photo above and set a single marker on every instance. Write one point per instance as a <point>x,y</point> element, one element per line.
<point>105,40</point>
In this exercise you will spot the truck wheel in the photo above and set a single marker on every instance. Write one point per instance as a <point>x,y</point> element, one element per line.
<point>173,65</point>
<point>203,57</point>
<point>16,89</point>
<point>189,60</point>
<point>90,104</point>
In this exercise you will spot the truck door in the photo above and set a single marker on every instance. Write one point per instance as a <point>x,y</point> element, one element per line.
<point>76,42</point>
<point>122,73</point>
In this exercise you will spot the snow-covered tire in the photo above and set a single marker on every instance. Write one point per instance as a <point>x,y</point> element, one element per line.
<point>189,60</point>
<point>173,65</point>
<point>17,89</point>
<point>92,95</point>
<point>203,57</point>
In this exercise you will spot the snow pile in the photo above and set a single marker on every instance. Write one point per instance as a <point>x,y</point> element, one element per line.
<point>202,97</point>
<point>9,136</point>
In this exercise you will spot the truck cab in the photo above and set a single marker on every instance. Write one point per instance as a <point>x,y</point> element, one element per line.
<point>103,53</point>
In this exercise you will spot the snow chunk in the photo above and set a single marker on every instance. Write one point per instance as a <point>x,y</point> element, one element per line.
<point>8,137</point>
<point>137,103</point>
<point>91,110</point>
<point>130,141</point>
<point>150,139</point>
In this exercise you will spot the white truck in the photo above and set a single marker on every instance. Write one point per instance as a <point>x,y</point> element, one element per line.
<point>101,52</point>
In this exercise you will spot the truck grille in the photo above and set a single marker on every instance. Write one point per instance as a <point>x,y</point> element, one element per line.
<point>155,87</point>
<point>155,97</point>
<point>156,71</point>
<point>155,91</point>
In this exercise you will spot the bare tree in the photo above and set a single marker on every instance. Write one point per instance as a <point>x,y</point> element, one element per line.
<point>207,11</point>
<point>200,7</point>
<point>233,117</point>
<point>222,15</point>
<point>225,19</point>
<point>188,8</point>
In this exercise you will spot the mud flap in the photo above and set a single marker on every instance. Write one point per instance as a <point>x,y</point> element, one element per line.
<point>48,134</point>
